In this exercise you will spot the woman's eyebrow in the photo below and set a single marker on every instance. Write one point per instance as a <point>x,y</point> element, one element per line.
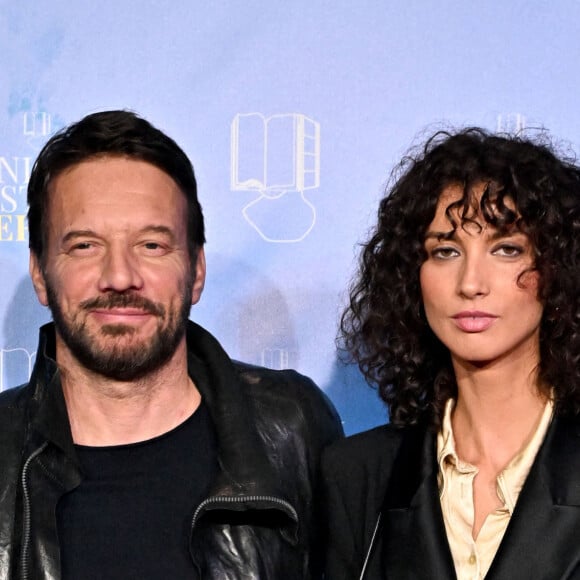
<point>448,235</point>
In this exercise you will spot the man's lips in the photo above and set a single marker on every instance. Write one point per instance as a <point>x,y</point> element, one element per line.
<point>474,320</point>
<point>123,313</point>
<point>121,305</point>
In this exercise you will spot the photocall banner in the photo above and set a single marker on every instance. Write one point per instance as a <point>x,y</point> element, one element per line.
<point>293,114</point>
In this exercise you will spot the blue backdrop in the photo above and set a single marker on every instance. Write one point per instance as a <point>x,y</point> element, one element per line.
<point>293,114</point>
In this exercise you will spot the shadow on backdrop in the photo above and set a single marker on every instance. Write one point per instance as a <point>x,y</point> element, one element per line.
<point>358,404</point>
<point>248,314</point>
<point>23,318</point>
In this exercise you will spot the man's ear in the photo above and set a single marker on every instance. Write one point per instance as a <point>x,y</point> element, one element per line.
<point>38,281</point>
<point>199,272</point>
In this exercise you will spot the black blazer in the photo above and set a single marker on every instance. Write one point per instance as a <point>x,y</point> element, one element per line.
<point>383,506</point>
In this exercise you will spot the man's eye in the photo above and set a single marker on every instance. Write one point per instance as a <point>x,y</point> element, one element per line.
<point>82,246</point>
<point>154,248</point>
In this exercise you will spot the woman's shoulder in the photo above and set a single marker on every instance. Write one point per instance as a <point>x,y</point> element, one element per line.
<point>368,452</point>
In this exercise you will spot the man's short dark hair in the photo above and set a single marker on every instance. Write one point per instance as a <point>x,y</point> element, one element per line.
<point>114,134</point>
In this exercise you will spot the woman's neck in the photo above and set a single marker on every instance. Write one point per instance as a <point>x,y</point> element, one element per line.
<point>497,411</point>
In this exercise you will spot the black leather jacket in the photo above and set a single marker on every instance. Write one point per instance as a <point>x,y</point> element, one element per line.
<point>261,519</point>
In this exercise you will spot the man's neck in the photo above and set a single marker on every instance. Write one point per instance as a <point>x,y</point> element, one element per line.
<point>104,412</point>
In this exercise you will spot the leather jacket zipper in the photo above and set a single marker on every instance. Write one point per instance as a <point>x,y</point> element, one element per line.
<point>241,499</point>
<point>26,512</point>
<point>238,499</point>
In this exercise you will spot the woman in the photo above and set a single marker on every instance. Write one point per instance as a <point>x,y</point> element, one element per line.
<point>466,316</point>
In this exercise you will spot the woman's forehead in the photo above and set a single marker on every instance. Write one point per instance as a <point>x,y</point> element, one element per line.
<point>482,205</point>
<point>471,196</point>
<point>455,192</point>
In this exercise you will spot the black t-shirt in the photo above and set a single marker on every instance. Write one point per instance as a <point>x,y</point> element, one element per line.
<point>130,519</point>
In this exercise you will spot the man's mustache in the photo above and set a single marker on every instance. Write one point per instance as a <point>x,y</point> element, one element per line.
<point>116,300</point>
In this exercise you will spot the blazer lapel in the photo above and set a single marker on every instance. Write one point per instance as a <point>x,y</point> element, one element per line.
<point>542,540</point>
<point>413,540</point>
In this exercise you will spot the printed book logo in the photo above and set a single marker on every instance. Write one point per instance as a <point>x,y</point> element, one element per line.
<point>37,124</point>
<point>275,358</point>
<point>513,123</point>
<point>15,174</point>
<point>278,157</point>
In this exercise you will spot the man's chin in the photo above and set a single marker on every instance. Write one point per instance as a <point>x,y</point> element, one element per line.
<point>124,344</point>
<point>122,362</point>
<point>116,330</point>
<point>121,350</point>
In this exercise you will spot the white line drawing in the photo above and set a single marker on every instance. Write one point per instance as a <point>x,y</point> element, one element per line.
<point>278,157</point>
<point>510,123</point>
<point>7,354</point>
<point>37,124</point>
<point>275,358</point>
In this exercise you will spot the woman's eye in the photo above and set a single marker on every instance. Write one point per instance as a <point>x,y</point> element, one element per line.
<point>444,253</point>
<point>508,250</point>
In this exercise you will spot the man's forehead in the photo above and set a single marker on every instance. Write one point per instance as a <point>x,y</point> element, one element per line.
<point>98,165</point>
<point>108,192</point>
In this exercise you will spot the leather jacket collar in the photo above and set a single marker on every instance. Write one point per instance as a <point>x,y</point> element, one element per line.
<point>245,471</point>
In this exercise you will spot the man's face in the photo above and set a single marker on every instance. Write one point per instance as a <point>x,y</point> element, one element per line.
<point>117,274</point>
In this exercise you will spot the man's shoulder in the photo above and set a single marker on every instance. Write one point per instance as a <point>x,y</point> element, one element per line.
<point>285,387</point>
<point>14,398</point>
<point>285,383</point>
<point>13,423</point>
<point>13,412</point>
<point>288,394</point>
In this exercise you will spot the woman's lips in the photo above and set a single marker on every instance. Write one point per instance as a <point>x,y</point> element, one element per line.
<point>474,321</point>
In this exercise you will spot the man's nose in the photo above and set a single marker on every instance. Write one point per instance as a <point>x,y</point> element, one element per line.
<point>120,271</point>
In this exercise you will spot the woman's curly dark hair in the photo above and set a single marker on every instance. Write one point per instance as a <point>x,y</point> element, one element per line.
<point>384,328</point>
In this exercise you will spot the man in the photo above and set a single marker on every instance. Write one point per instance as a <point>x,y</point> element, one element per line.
<point>139,450</point>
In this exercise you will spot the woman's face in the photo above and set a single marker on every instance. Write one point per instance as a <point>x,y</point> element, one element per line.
<point>479,298</point>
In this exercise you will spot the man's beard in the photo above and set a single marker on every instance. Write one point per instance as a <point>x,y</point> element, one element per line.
<point>123,362</point>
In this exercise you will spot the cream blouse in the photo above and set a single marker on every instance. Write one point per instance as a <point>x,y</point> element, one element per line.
<point>473,558</point>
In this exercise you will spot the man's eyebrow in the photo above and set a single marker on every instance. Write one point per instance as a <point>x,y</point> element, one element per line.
<point>74,234</point>
<point>158,229</point>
